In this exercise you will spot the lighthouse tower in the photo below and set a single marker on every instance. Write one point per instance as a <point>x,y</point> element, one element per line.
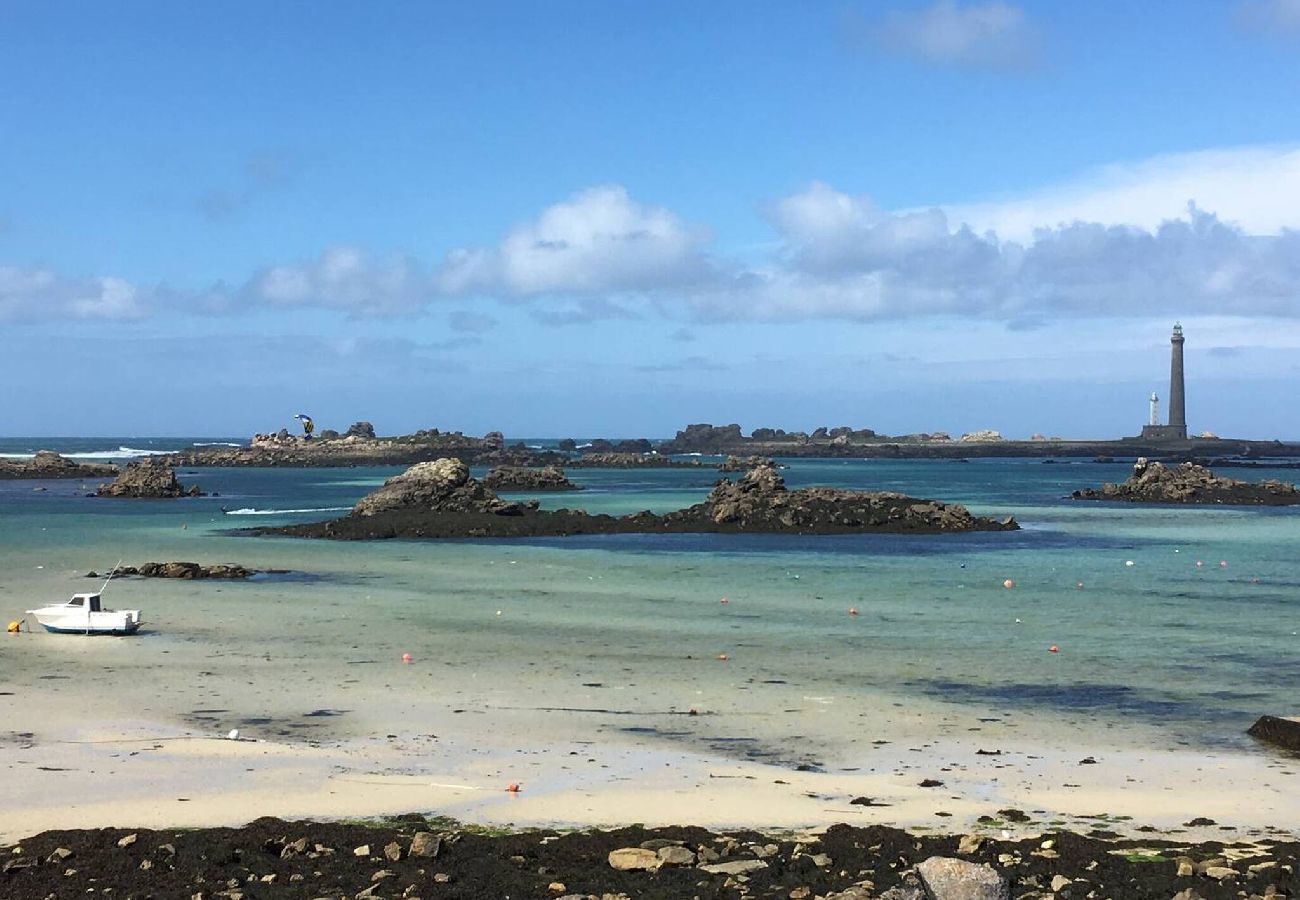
<point>1176,430</point>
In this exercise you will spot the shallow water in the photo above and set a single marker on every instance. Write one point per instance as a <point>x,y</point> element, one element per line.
<point>1161,651</point>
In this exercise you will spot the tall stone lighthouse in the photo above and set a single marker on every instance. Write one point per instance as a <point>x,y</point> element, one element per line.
<point>1176,430</point>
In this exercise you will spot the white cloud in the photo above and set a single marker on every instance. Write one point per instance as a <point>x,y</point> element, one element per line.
<point>994,35</point>
<point>30,294</point>
<point>598,241</point>
<point>1271,17</point>
<point>345,278</point>
<point>1257,188</point>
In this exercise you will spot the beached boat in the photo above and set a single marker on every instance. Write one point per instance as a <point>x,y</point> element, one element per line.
<point>84,614</point>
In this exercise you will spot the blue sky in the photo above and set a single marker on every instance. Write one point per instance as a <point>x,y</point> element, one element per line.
<point>616,218</point>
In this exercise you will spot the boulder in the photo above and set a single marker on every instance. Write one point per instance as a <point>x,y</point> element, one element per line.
<point>360,429</point>
<point>525,478</point>
<point>1277,730</point>
<point>442,485</point>
<point>946,878</point>
<point>633,859</point>
<point>1154,482</point>
<point>147,479</point>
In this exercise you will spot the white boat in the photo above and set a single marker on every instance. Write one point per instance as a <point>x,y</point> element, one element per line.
<point>84,614</point>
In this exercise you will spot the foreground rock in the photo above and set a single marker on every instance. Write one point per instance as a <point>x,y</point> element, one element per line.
<point>48,464</point>
<point>1153,482</point>
<point>527,478</point>
<point>186,570</point>
<point>411,856</point>
<point>439,499</point>
<point>1277,730</point>
<point>147,480</point>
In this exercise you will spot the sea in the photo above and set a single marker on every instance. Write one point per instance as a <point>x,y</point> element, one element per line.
<point>1152,625</point>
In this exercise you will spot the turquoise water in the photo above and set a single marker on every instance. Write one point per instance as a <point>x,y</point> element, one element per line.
<point>1160,648</point>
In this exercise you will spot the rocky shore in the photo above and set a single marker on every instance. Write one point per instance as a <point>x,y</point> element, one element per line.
<point>1153,482</point>
<point>48,464</point>
<point>415,857</point>
<point>440,500</point>
<point>528,478</point>
<point>150,479</point>
<point>357,447</point>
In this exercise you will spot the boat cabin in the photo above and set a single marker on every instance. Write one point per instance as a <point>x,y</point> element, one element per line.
<point>85,601</point>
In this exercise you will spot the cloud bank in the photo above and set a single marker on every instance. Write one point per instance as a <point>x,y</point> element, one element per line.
<point>1204,233</point>
<point>994,35</point>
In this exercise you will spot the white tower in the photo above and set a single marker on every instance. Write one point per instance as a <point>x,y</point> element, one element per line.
<point>1155,409</point>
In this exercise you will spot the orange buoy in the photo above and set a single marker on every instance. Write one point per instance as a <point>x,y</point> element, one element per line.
<point>1008,584</point>
<point>853,610</point>
<point>406,657</point>
<point>1053,649</point>
<point>512,788</point>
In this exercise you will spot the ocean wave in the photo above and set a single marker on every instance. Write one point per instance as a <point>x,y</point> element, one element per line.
<point>249,511</point>
<point>217,444</point>
<point>119,453</point>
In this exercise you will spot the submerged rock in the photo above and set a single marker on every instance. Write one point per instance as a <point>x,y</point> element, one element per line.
<point>147,479</point>
<point>186,570</point>
<point>1153,482</point>
<point>526,478</point>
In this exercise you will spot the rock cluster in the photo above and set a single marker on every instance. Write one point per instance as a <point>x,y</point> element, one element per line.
<point>744,463</point>
<point>983,436</point>
<point>438,486</point>
<point>48,464</point>
<point>526,478</point>
<point>439,499</point>
<point>621,460</point>
<point>759,501</point>
<point>186,570</point>
<point>148,479</point>
<point>411,857</point>
<point>1153,482</point>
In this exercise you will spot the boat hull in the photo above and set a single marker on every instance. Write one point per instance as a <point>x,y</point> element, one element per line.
<point>129,628</point>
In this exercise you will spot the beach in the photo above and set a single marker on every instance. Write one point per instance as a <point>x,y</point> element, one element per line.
<point>590,671</point>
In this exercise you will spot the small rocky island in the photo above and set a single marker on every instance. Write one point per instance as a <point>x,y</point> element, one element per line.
<point>148,479</point>
<point>188,571</point>
<point>1153,482</point>
<point>48,464</point>
<point>529,478</point>
<point>439,499</point>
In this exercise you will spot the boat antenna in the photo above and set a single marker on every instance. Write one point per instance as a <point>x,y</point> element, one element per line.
<point>110,576</point>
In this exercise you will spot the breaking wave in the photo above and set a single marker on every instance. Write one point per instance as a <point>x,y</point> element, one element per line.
<point>249,511</point>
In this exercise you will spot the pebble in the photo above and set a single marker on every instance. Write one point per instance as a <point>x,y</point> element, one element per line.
<point>363,850</point>
<point>128,840</point>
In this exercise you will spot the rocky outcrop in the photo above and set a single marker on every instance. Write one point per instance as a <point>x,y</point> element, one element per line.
<point>526,478</point>
<point>361,429</point>
<point>439,486</point>
<point>759,501</point>
<point>147,480</point>
<point>357,448</point>
<point>1153,482</point>
<point>48,464</point>
<point>439,499</point>
<point>984,436</point>
<point>186,570</point>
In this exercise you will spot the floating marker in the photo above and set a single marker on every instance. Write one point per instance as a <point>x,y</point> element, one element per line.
<point>512,788</point>
<point>1008,584</point>
<point>1129,562</point>
<point>1223,564</point>
<point>724,600</point>
<point>1079,585</point>
<point>1199,564</point>
<point>722,657</point>
<point>853,610</point>
<point>1053,649</point>
<point>406,657</point>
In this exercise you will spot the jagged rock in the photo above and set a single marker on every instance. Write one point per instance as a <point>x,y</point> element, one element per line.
<point>328,434</point>
<point>147,479</point>
<point>443,485</point>
<point>1153,482</point>
<point>48,464</point>
<point>946,878</point>
<point>360,429</point>
<point>425,844</point>
<point>524,478</point>
<point>612,460</point>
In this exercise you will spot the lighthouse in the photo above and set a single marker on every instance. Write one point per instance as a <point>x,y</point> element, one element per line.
<point>1176,430</point>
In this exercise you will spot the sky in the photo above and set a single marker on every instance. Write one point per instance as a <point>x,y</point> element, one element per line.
<point>614,219</point>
